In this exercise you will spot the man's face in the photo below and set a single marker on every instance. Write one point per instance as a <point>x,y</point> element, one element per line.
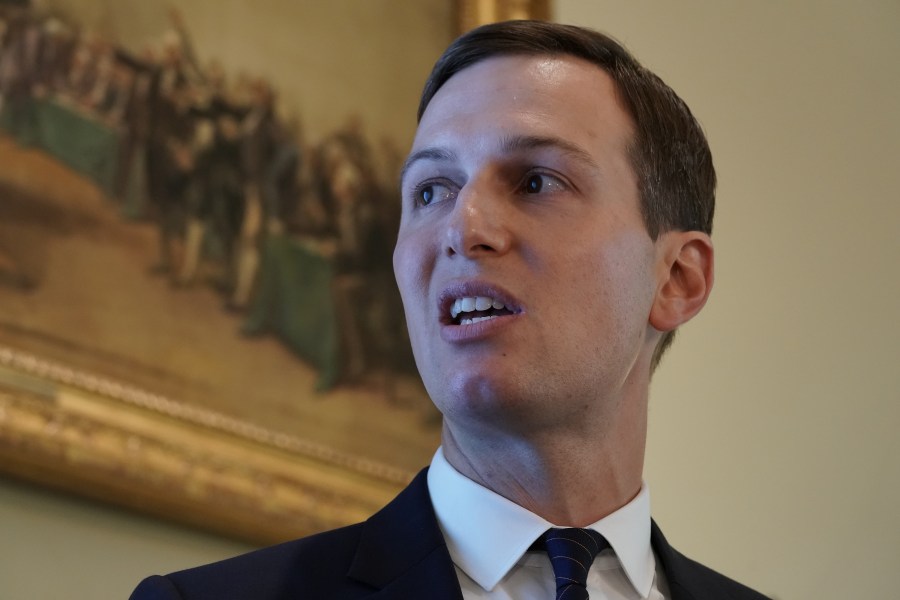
<point>526,272</point>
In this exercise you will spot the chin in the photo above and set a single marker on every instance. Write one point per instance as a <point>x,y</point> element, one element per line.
<point>480,396</point>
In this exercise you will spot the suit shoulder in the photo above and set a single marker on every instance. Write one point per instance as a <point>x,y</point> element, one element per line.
<point>694,574</point>
<point>689,579</point>
<point>288,570</point>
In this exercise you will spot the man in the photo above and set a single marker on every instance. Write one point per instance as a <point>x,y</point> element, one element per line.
<point>557,205</point>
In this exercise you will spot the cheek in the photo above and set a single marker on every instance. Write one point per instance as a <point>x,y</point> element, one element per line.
<point>413,267</point>
<point>619,282</point>
<point>413,262</point>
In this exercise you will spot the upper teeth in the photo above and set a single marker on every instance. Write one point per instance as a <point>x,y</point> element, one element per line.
<point>472,303</point>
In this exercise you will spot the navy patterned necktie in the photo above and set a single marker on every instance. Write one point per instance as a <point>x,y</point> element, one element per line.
<point>571,552</point>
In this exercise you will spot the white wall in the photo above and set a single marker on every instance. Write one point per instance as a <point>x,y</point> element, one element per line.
<point>774,451</point>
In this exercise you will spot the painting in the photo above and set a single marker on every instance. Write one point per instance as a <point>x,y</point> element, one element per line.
<point>198,205</point>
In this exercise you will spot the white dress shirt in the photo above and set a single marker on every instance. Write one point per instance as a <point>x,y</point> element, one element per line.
<point>488,537</point>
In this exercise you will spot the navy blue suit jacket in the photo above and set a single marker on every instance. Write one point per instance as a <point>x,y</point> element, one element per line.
<point>398,554</point>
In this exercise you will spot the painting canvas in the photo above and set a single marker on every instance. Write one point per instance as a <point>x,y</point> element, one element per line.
<point>197,212</point>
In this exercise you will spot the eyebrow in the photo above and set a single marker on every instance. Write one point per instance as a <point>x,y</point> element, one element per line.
<point>437,154</point>
<point>519,143</point>
<point>508,145</point>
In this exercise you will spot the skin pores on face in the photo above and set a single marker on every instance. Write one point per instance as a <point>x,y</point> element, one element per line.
<point>519,191</point>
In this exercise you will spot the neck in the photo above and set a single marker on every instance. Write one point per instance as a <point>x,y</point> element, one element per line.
<point>571,476</point>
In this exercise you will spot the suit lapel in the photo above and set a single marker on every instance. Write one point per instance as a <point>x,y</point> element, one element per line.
<point>689,580</point>
<point>671,564</point>
<point>685,581</point>
<point>402,552</point>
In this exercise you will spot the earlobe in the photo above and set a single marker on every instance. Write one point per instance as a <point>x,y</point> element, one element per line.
<point>686,278</point>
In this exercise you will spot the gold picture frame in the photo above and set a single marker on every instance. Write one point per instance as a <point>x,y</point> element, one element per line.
<point>110,412</point>
<point>472,13</point>
<point>108,441</point>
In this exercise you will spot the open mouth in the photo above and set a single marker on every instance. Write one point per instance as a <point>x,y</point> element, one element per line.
<point>474,309</point>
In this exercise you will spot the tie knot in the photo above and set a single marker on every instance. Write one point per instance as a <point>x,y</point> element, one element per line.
<point>571,553</point>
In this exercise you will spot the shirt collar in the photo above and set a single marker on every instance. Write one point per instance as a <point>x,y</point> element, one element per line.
<point>487,534</point>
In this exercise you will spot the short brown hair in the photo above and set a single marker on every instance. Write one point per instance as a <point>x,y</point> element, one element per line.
<point>669,152</point>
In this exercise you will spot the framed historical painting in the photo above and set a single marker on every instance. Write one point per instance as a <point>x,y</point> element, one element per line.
<point>198,317</point>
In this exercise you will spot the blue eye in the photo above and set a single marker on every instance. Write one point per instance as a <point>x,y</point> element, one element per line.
<point>534,184</point>
<point>431,192</point>
<point>542,183</point>
<point>426,195</point>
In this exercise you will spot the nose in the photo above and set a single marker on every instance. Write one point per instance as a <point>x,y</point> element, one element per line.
<point>479,224</point>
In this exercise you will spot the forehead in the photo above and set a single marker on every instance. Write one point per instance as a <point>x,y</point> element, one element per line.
<point>560,96</point>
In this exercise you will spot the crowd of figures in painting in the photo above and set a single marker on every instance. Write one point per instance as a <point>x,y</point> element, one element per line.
<point>217,164</point>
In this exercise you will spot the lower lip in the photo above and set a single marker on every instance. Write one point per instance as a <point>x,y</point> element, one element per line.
<point>476,331</point>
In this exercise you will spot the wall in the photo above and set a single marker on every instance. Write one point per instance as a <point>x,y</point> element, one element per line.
<point>773,438</point>
<point>53,546</point>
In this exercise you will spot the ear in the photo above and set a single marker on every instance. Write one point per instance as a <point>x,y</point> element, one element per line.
<point>685,278</point>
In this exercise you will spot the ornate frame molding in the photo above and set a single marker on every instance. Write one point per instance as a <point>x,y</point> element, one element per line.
<point>113,442</point>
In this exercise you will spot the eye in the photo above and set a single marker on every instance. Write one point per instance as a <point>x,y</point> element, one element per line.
<point>534,184</point>
<point>431,192</point>
<point>537,183</point>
